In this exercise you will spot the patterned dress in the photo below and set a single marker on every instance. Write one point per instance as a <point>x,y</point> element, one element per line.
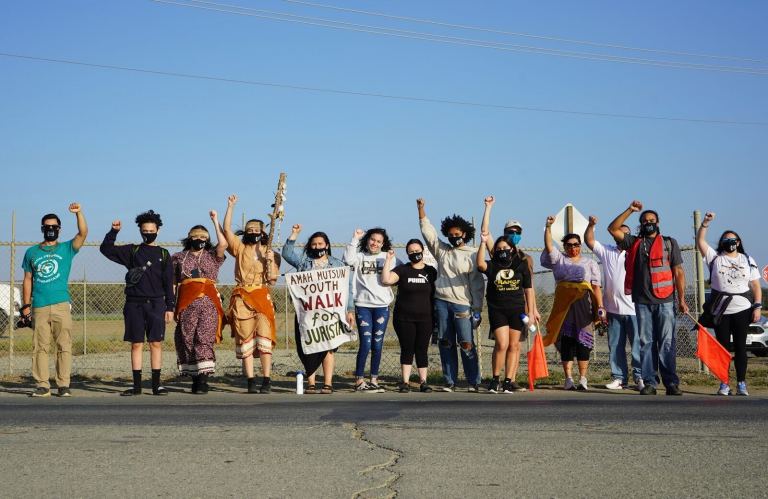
<point>196,327</point>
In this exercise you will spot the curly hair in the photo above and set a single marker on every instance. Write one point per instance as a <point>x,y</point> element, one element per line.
<point>363,244</point>
<point>460,223</point>
<point>149,217</point>
<point>187,241</point>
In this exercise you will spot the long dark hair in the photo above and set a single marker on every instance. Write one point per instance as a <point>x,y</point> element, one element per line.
<point>264,236</point>
<point>739,248</point>
<point>187,241</point>
<point>307,246</point>
<point>460,223</point>
<point>414,241</point>
<point>363,244</point>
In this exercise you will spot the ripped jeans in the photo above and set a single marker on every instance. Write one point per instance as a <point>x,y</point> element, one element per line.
<point>454,328</point>
<point>371,325</point>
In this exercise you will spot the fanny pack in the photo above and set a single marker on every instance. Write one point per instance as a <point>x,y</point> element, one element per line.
<point>716,305</point>
<point>135,273</point>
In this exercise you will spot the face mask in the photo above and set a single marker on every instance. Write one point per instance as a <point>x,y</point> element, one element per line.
<point>730,245</point>
<point>648,228</point>
<point>315,253</point>
<point>503,257</point>
<point>251,238</point>
<point>148,237</point>
<point>455,241</point>
<point>198,244</point>
<point>416,257</point>
<point>50,234</point>
<point>514,238</point>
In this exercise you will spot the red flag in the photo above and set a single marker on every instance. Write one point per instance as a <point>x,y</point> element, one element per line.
<point>713,355</point>
<point>537,361</point>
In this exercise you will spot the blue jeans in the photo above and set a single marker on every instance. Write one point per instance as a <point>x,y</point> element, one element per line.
<point>454,327</point>
<point>371,325</point>
<point>623,328</point>
<point>656,324</point>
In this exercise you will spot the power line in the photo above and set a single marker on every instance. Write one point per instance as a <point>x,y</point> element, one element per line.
<point>380,95</point>
<point>341,25</point>
<point>522,34</point>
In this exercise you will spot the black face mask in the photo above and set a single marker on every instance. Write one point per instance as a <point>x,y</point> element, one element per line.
<point>648,228</point>
<point>730,245</point>
<point>148,237</point>
<point>504,257</point>
<point>455,240</point>
<point>251,238</point>
<point>416,257</point>
<point>197,244</point>
<point>315,253</point>
<point>50,234</point>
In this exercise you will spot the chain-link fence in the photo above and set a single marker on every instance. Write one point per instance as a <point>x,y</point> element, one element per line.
<point>97,290</point>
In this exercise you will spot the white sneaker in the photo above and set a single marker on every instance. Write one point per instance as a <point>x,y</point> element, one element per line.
<point>614,385</point>
<point>724,389</point>
<point>569,384</point>
<point>582,384</point>
<point>639,384</point>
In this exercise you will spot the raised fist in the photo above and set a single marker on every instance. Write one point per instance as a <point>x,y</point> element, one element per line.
<point>484,236</point>
<point>296,228</point>
<point>592,220</point>
<point>489,200</point>
<point>550,221</point>
<point>420,203</point>
<point>359,233</point>
<point>635,205</point>
<point>232,199</point>
<point>213,215</point>
<point>116,225</point>
<point>709,216</point>
<point>74,208</point>
<point>390,254</point>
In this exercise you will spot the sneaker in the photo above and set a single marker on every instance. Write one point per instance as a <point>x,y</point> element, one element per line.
<point>362,387</point>
<point>266,388</point>
<point>724,389</point>
<point>493,386</point>
<point>41,391</point>
<point>515,387</point>
<point>130,392</point>
<point>648,390</point>
<point>403,387</point>
<point>569,384</point>
<point>639,384</point>
<point>582,386</point>
<point>425,388</point>
<point>674,390</point>
<point>64,391</point>
<point>509,387</point>
<point>473,389</point>
<point>741,389</point>
<point>614,385</point>
<point>375,388</point>
<point>160,391</point>
<point>448,388</point>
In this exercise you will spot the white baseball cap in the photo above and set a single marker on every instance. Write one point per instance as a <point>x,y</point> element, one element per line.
<point>513,223</point>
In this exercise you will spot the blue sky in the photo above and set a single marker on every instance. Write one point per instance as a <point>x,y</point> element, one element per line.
<point>122,142</point>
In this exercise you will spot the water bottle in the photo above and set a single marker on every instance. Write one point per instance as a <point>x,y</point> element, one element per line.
<point>299,382</point>
<point>528,324</point>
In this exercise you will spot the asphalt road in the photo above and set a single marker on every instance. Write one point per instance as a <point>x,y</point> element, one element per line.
<point>542,444</point>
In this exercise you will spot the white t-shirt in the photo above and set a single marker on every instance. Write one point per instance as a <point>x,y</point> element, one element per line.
<point>367,288</point>
<point>732,275</point>
<point>612,258</point>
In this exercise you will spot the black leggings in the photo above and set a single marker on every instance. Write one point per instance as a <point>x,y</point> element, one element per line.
<point>414,339</point>
<point>737,325</point>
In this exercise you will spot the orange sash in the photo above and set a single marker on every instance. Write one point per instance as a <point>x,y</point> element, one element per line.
<point>190,290</point>
<point>258,300</point>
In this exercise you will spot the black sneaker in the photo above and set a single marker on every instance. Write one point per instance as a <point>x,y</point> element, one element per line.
<point>648,390</point>
<point>40,391</point>
<point>493,386</point>
<point>64,391</point>
<point>266,388</point>
<point>403,387</point>
<point>473,389</point>
<point>130,392</point>
<point>425,388</point>
<point>674,390</point>
<point>448,388</point>
<point>515,387</point>
<point>509,387</point>
<point>160,390</point>
<point>375,387</point>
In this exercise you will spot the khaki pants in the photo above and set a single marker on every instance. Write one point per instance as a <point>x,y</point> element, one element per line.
<point>52,321</point>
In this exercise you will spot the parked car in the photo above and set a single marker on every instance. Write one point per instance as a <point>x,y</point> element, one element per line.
<point>9,308</point>
<point>757,339</point>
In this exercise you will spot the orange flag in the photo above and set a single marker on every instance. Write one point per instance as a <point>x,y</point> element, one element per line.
<point>713,354</point>
<point>537,361</point>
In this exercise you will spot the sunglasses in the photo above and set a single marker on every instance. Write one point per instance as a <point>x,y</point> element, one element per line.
<point>51,227</point>
<point>730,241</point>
<point>513,231</point>
<point>572,245</point>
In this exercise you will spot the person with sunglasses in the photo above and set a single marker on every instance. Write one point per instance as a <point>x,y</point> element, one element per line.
<point>577,305</point>
<point>735,285</point>
<point>46,300</point>
<point>654,276</point>
<point>251,313</point>
<point>199,313</point>
<point>415,283</point>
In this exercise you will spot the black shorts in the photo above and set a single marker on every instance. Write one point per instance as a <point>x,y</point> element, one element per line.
<point>144,317</point>
<point>508,316</point>
<point>570,348</point>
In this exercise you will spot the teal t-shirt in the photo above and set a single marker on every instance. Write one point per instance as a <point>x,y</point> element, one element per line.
<point>50,266</point>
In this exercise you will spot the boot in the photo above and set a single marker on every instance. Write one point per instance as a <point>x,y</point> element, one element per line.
<point>195,384</point>
<point>203,387</point>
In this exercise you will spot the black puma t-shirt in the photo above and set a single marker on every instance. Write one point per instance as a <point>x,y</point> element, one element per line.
<point>414,292</point>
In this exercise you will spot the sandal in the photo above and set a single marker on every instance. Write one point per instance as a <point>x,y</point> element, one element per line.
<point>326,390</point>
<point>311,389</point>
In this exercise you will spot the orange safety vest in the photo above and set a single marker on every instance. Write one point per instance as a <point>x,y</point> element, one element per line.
<point>191,289</point>
<point>662,279</point>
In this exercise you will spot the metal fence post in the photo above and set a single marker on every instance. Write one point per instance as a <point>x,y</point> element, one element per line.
<point>85,315</point>
<point>285,314</point>
<point>699,278</point>
<point>12,295</point>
